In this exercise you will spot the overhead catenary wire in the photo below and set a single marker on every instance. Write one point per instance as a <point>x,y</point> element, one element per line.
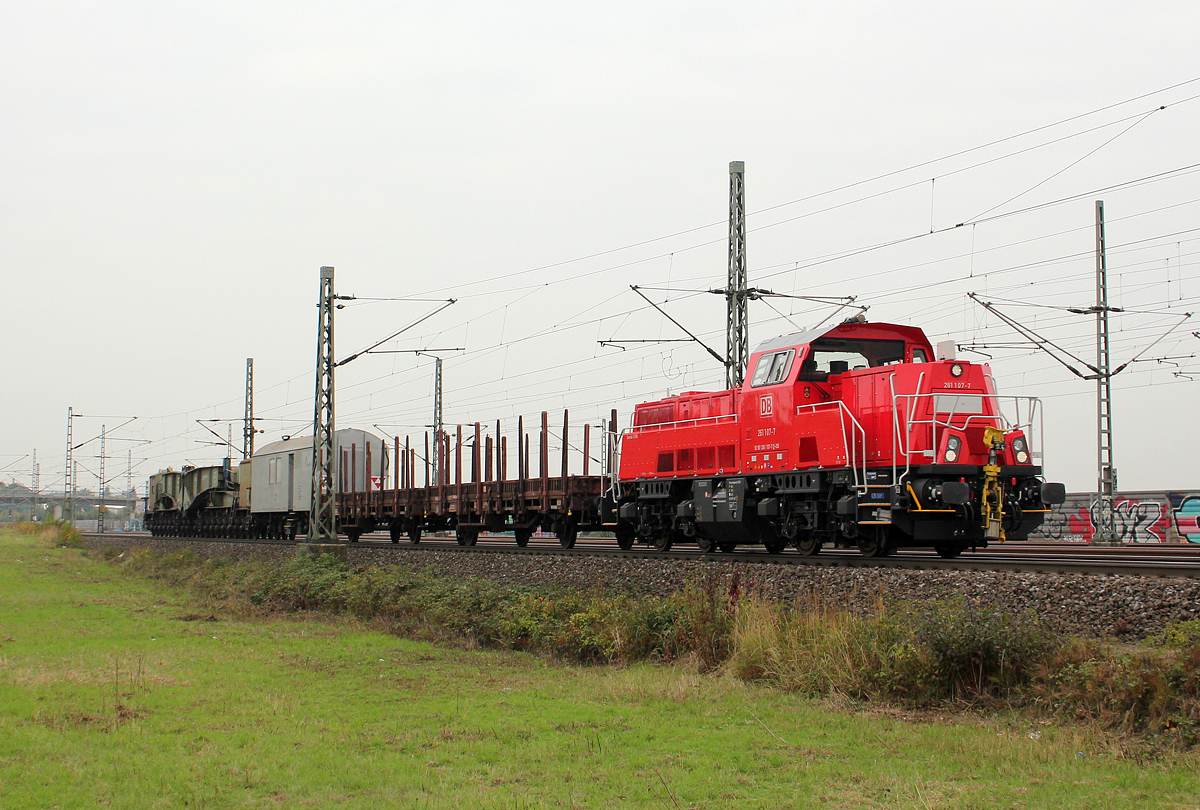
<point>563,325</point>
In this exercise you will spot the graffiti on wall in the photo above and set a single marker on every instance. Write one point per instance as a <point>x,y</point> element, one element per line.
<point>1171,519</point>
<point>1187,519</point>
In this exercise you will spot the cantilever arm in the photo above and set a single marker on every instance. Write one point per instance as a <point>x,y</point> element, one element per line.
<point>1039,341</point>
<point>719,358</point>
<point>1133,359</point>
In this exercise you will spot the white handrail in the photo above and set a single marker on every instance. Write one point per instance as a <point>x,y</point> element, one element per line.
<point>660,425</point>
<point>901,441</point>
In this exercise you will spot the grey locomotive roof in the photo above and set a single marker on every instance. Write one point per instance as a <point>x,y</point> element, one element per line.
<point>794,339</point>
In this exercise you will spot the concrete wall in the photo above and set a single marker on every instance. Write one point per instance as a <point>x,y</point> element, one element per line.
<point>1160,516</point>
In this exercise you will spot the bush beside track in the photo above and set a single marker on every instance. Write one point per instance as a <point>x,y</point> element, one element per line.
<point>1127,607</point>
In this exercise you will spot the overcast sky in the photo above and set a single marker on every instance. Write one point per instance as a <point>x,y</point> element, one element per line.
<point>176,174</point>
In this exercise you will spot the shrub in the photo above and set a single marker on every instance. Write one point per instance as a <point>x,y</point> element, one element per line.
<point>976,649</point>
<point>1147,690</point>
<point>949,650</point>
<point>54,532</point>
<point>308,582</point>
<point>704,620</point>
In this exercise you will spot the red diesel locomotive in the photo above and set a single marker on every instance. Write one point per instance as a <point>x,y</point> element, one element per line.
<point>852,435</point>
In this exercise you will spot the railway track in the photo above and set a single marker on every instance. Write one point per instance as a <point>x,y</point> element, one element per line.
<point>1063,558</point>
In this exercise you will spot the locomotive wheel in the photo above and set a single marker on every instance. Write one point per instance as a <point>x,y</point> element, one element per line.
<point>625,539</point>
<point>809,546</point>
<point>771,539</point>
<point>663,542</point>
<point>706,544</point>
<point>567,535</point>
<point>870,547</point>
<point>522,536</point>
<point>948,552</point>
<point>874,543</point>
<point>727,547</point>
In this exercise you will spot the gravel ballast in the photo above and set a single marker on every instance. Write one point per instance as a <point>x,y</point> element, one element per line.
<point>1128,607</point>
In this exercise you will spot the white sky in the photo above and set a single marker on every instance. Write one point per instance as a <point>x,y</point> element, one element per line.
<point>174,176</point>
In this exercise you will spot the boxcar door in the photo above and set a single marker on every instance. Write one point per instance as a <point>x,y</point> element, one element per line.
<point>291,481</point>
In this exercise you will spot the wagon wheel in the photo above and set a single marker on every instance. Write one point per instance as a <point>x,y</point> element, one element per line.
<point>727,547</point>
<point>948,551</point>
<point>567,534</point>
<point>466,537</point>
<point>394,531</point>
<point>663,542</point>
<point>414,532</point>
<point>625,538</point>
<point>522,536</point>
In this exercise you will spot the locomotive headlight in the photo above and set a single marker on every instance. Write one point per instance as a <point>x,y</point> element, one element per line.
<point>956,370</point>
<point>953,445</point>
<point>1021,450</point>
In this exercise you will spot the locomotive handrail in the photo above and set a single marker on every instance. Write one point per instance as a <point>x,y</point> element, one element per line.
<point>901,440</point>
<point>661,425</point>
<point>658,426</point>
<point>610,459</point>
<point>852,447</point>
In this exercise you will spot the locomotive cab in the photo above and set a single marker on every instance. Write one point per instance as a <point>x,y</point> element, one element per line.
<point>853,435</point>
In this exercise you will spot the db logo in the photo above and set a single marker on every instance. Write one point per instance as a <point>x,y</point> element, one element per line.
<point>766,406</point>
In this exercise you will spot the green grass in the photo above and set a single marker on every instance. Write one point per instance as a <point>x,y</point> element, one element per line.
<point>120,691</point>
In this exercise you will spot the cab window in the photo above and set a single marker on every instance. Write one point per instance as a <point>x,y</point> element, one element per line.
<point>838,355</point>
<point>773,367</point>
<point>919,356</point>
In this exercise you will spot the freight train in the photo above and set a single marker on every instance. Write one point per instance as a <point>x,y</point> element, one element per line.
<point>853,435</point>
<point>267,496</point>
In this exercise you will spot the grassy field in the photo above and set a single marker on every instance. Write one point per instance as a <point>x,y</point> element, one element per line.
<point>123,692</point>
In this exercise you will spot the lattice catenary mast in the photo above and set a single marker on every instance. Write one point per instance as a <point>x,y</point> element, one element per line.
<point>737,328</point>
<point>100,505</point>
<point>69,482</point>
<point>438,461</point>
<point>322,527</point>
<point>248,419</point>
<point>1106,483</point>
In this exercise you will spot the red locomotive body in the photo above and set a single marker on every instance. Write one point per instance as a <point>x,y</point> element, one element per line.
<point>852,434</point>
